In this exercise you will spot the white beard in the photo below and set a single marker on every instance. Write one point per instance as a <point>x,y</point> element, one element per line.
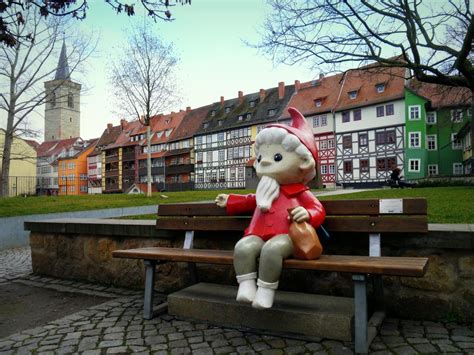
<point>268,190</point>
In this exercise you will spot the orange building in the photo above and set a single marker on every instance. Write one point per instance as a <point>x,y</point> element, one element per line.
<point>72,172</point>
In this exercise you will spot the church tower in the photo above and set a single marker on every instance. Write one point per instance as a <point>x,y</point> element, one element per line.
<point>62,114</point>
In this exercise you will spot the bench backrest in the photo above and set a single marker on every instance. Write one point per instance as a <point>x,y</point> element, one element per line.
<point>407,215</point>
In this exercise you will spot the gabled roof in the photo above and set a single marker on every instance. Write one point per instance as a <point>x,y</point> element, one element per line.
<point>50,148</point>
<point>164,123</point>
<point>191,123</point>
<point>109,136</point>
<point>123,139</point>
<point>88,147</point>
<point>259,114</point>
<point>441,95</point>
<point>34,144</point>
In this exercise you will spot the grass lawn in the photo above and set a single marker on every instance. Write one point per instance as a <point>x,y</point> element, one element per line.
<point>445,204</point>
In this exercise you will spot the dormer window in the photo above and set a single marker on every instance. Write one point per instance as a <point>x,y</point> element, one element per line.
<point>228,109</point>
<point>168,132</point>
<point>271,112</point>
<point>248,116</point>
<point>353,94</point>
<point>380,88</point>
<point>253,103</point>
<point>205,125</point>
<point>317,103</point>
<point>213,113</point>
<point>241,117</point>
<point>219,123</point>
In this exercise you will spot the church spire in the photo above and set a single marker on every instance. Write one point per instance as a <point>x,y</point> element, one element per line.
<point>62,71</point>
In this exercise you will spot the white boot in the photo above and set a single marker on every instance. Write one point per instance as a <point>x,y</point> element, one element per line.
<point>247,287</point>
<point>265,294</point>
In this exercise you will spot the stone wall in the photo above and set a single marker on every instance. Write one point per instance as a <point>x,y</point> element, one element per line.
<point>81,249</point>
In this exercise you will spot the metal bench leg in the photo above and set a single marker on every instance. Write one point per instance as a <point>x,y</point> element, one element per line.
<point>360,303</point>
<point>149,286</point>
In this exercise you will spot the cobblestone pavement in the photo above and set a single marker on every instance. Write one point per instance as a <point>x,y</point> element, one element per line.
<point>117,327</point>
<point>14,263</point>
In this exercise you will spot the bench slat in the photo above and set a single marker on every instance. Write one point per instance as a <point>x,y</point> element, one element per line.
<point>411,206</point>
<point>382,224</point>
<point>396,266</point>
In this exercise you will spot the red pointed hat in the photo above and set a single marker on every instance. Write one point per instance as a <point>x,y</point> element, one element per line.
<point>301,129</point>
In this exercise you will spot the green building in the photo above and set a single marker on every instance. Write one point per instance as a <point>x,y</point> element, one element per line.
<point>434,116</point>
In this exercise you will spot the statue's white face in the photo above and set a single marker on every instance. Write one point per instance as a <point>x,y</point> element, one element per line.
<point>285,167</point>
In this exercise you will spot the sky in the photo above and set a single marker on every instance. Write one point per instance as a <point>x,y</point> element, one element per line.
<point>208,37</point>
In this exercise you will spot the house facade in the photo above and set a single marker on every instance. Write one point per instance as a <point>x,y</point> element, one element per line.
<point>223,143</point>
<point>72,172</point>
<point>370,126</point>
<point>22,176</point>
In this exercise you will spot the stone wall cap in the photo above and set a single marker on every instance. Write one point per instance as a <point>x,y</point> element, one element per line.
<point>451,227</point>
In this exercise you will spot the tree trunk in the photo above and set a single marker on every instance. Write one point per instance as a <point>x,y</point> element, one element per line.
<point>7,149</point>
<point>148,161</point>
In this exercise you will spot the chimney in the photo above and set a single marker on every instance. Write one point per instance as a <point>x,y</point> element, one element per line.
<point>241,97</point>
<point>321,75</point>
<point>262,94</point>
<point>222,101</point>
<point>297,86</point>
<point>281,90</point>
<point>188,108</point>
<point>123,124</point>
<point>109,127</point>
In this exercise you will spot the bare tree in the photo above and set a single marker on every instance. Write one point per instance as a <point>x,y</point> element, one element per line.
<point>433,39</point>
<point>144,81</point>
<point>24,67</point>
<point>156,9</point>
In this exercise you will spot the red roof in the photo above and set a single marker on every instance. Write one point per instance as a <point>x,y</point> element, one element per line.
<point>441,95</point>
<point>333,91</point>
<point>190,124</point>
<point>123,139</point>
<point>50,148</point>
<point>162,124</point>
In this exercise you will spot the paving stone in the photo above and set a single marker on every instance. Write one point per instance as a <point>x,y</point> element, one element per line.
<point>405,350</point>
<point>245,349</point>
<point>237,341</point>
<point>462,338</point>
<point>465,346</point>
<point>178,351</point>
<point>463,331</point>
<point>446,348</point>
<point>202,351</point>
<point>392,340</point>
<point>65,350</point>
<point>156,339</point>
<point>175,336</point>
<point>417,340</point>
<point>110,343</point>
<point>436,330</point>
<point>313,346</point>
<point>178,343</point>
<point>199,345</point>
<point>272,352</point>
<point>294,349</point>
<point>223,350</point>
<point>425,348</point>
<point>118,350</point>
<point>47,347</point>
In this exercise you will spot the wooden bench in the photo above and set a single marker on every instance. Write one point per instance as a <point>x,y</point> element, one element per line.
<point>372,216</point>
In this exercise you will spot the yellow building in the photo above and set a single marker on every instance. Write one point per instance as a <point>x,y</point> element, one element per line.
<point>22,166</point>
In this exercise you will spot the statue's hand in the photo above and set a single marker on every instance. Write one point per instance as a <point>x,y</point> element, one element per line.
<point>221,200</point>
<point>299,214</point>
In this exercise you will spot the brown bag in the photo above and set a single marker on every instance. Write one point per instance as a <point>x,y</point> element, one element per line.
<point>306,245</point>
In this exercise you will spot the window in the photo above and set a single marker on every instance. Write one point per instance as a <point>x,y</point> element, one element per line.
<point>253,103</point>
<point>240,172</point>
<point>209,156</point>
<point>346,116</point>
<point>431,117</point>
<point>213,113</point>
<point>271,112</point>
<point>323,145</point>
<point>70,119</point>
<point>414,112</point>
<point>357,114</point>
<point>364,165</point>
<point>380,111</point>
<point>456,116</point>
<point>432,169</point>
<point>386,164</point>
<point>385,137</point>
<point>455,142</point>
<point>72,188</point>
<point>363,140</point>
<point>352,94</point>
<point>414,165</point>
<point>198,140</point>
<point>221,175</point>
<point>348,167</point>
<point>457,169</point>
<point>221,155</point>
<point>324,169</point>
<point>199,157</point>
<point>332,169</point>
<point>240,118</point>
<point>469,112</point>
<point>186,144</point>
<point>205,125</point>
<point>219,123</point>
<point>330,143</point>
<point>228,109</point>
<point>324,120</point>
<point>389,110</point>
<point>53,100</point>
<point>347,142</point>
<point>70,100</point>
<point>220,136</point>
<point>380,88</point>
<point>414,141</point>
<point>316,121</point>
<point>431,142</point>
<point>83,188</point>
<point>248,116</point>
<point>317,103</point>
